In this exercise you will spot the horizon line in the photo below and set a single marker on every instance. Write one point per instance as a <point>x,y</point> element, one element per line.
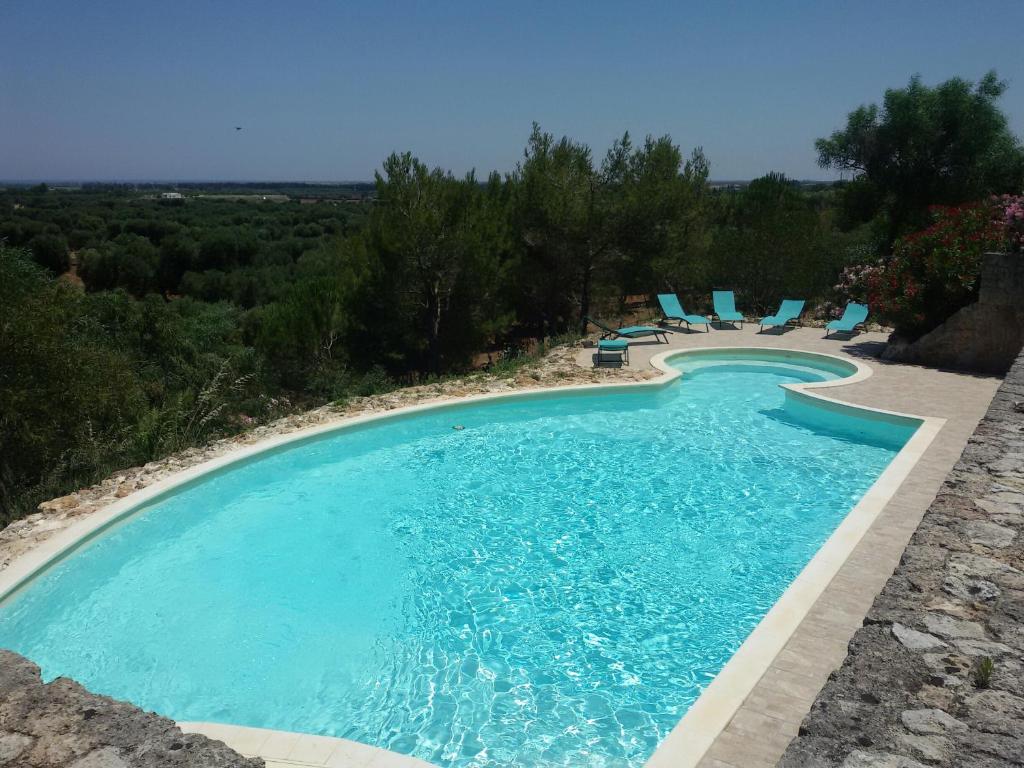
<point>342,182</point>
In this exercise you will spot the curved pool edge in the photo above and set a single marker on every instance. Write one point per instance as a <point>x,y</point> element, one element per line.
<point>302,750</point>
<point>708,716</point>
<point>692,737</point>
<point>26,567</point>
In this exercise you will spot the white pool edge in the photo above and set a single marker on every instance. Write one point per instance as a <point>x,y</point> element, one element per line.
<point>302,750</point>
<point>708,716</point>
<point>693,735</point>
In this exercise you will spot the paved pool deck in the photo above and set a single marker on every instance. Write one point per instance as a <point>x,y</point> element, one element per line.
<point>770,716</point>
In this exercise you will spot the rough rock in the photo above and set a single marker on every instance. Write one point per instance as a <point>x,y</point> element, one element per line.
<point>909,693</point>
<point>990,534</point>
<point>953,629</point>
<point>984,336</point>
<point>62,725</point>
<point>925,721</point>
<point>859,759</point>
<point>914,640</point>
<point>62,504</point>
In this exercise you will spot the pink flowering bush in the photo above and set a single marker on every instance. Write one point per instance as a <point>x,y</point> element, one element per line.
<point>855,279</point>
<point>1012,216</point>
<point>933,273</point>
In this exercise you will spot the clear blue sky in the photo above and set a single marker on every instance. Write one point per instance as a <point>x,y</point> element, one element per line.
<point>325,90</point>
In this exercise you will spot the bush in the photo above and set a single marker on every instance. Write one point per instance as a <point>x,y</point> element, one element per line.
<point>129,261</point>
<point>65,400</point>
<point>91,382</point>
<point>51,251</point>
<point>1012,215</point>
<point>932,273</point>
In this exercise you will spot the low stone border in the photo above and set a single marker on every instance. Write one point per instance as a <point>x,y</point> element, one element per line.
<point>935,677</point>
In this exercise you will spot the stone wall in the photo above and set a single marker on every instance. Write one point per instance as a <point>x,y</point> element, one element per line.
<point>913,690</point>
<point>984,336</point>
<point>62,725</point>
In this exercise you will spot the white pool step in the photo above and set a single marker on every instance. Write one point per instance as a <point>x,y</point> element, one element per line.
<point>284,749</point>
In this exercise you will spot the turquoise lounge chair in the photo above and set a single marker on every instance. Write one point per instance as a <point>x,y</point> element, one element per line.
<point>853,316</point>
<point>673,310</point>
<point>789,312</point>
<point>725,308</point>
<point>617,347</point>
<point>630,332</point>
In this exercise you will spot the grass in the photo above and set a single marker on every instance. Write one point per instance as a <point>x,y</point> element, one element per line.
<point>981,674</point>
<point>511,363</point>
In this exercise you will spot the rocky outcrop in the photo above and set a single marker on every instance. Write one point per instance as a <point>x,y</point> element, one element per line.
<point>935,677</point>
<point>984,336</point>
<point>62,725</point>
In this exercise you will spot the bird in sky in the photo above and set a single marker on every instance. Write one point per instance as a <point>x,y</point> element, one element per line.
<point>238,127</point>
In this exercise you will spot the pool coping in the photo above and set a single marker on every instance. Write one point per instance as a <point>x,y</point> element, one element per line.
<point>691,738</point>
<point>302,750</point>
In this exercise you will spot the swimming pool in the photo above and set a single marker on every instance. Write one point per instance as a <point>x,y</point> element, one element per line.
<point>552,583</point>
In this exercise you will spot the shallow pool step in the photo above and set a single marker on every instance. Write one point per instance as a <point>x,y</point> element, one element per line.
<point>284,749</point>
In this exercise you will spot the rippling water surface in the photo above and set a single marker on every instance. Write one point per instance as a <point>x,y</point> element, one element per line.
<point>554,584</point>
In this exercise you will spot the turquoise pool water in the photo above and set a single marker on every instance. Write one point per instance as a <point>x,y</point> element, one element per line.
<point>552,584</point>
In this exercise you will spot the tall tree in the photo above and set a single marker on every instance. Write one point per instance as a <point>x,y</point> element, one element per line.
<point>925,146</point>
<point>563,215</point>
<point>663,233</point>
<point>771,241</point>
<point>429,230</point>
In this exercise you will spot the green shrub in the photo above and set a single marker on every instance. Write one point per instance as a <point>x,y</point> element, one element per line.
<point>932,273</point>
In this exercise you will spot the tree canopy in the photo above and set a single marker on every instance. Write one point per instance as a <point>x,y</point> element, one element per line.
<point>923,146</point>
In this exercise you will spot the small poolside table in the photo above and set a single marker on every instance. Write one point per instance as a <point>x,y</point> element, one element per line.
<point>617,347</point>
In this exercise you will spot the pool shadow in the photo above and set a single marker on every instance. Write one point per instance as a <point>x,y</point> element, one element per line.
<point>855,429</point>
<point>679,329</point>
<point>608,362</point>
<point>842,335</point>
<point>873,350</point>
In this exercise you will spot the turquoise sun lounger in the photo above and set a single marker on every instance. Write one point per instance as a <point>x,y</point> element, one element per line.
<point>618,348</point>
<point>630,331</point>
<point>853,317</point>
<point>789,312</point>
<point>673,310</point>
<point>725,308</point>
